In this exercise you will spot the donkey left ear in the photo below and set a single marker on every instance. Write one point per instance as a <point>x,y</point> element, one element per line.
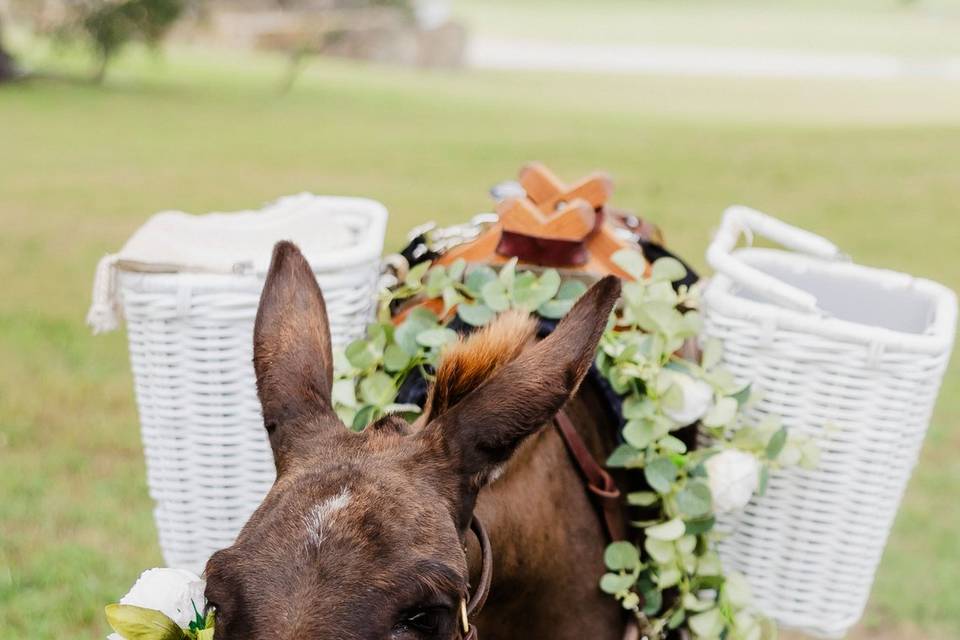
<point>482,430</point>
<point>292,355</point>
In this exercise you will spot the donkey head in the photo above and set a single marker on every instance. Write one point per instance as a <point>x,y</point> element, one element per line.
<point>362,535</point>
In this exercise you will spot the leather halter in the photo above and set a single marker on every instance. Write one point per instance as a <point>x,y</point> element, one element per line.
<point>607,497</point>
<point>479,597</point>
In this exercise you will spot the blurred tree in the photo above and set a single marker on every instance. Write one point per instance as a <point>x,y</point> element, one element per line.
<point>8,68</point>
<point>108,25</point>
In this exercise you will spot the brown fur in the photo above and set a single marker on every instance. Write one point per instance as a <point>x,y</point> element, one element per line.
<point>470,361</point>
<point>389,555</point>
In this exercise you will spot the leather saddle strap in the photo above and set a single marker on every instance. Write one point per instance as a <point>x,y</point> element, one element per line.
<point>600,483</point>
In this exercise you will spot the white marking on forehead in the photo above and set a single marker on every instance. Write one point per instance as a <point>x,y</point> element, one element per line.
<point>319,519</point>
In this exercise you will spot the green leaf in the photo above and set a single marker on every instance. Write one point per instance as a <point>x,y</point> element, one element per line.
<point>709,564</point>
<point>652,601</point>
<point>621,555</point>
<point>378,389</point>
<point>708,624</point>
<point>344,393</point>
<point>364,416</point>
<point>668,577</point>
<point>673,444</point>
<point>415,275</point>
<point>699,526</point>
<point>694,500</point>
<point>555,309</point>
<point>362,353</point>
<point>639,433</point>
<point>395,358</point>
<point>777,441</point>
<point>712,353</point>
<point>736,590</point>
<point>686,544</point>
<point>494,294</point>
<point>508,273</point>
<point>660,474</point>
<point>571,290</point>
<point>455,271</point>
<point>614,583</point>
<point>721,414</point>
<point>742,395</point>
<point>475,314</point>
<point>764,480</point>
<point>138,623</point>
<point>436,337</point>
<point>668,531</point>
<point>478,277</point>
<point>418,320</point>
<point>667,269</point>
<point>624,456</point>
<point>631,261</point>
<point>437,280</point>
<point>642,498</point>
<point>662,551</point>
<point>677,619</point>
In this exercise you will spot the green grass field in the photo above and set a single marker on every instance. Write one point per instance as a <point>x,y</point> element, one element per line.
<point>874,166</point>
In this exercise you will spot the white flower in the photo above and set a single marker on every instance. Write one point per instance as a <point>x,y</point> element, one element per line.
<point>733,476</point>
<point>697,399</point>
<point>173,592</point>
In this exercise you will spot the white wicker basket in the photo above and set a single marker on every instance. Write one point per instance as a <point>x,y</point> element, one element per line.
<point>208,460</point>
<point>852,356</point>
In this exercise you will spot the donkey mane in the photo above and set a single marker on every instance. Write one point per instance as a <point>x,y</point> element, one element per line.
<point>470,361</point>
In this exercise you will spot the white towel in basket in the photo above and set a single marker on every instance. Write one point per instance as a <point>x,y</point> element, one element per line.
<point>237,242</point>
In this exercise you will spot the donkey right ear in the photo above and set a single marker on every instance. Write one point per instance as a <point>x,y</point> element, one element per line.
<point>483,428</point>
<point>291,354</point>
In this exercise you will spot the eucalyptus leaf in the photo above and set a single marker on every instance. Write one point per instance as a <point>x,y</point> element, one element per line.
<point>344,393</point>
<point>776,443</point>
<point>378,389</point>
<point>455,270</point>
<point>708,624</point>
<point>475,314</point>
<point>395,358</point>
<point>660,473</point>
<point>621,555</point>
<point>631,261</point>
<point>494,295</point>
<point>478,277</point>
<point>721,414</point>
<point>415,275</point>
<point>668,577</point>
<point>694,500</point>
<point>642,498</point>
<point>639,432</point>
<point>436,337</point>
<point>625,456</point>
<point>555,309</point>
<point>362,354</point>
<point>614,583</point>
<point>139,623</point>
<point>571,289</point>
<point>662,551</point>
<point>667,269</point>
<point>669,530</point>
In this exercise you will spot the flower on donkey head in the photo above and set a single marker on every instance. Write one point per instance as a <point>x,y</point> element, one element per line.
<point>175,593</point>
<point>733,477</point>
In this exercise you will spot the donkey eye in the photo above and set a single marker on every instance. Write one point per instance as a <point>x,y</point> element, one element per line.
<point>427,621</point>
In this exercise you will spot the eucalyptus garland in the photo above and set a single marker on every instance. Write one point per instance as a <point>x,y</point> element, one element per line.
<point>674,580</point>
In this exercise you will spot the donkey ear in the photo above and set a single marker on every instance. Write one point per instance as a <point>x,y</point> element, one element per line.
<point>483,429</point>
<point>291,353</point>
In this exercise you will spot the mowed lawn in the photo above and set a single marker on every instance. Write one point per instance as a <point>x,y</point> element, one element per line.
<point>876,167</point>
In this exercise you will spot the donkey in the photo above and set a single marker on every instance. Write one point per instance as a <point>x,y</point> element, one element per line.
<point>364,536</point>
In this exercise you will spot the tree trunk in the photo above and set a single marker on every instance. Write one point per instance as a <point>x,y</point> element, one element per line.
<point>8,70</point>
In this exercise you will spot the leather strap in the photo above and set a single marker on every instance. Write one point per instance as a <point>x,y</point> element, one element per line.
<point>479,597</point>
<point>600,484</point>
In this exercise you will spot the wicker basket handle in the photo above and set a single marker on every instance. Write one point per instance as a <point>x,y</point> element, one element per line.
<point>739,220</point>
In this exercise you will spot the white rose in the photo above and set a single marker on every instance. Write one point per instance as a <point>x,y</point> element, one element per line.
<point>733,477</point>
<point>697,399</point>
<point>174,592</point>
